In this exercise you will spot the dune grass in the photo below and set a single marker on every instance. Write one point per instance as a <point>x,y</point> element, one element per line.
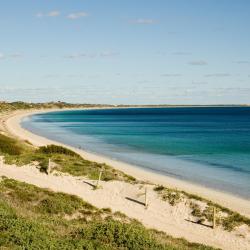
<point>35,218</point>
<point>225,217</point>
<point>55,149</point>
<point>9,146</point>
<point>73,165</point>
<point>66,161</point>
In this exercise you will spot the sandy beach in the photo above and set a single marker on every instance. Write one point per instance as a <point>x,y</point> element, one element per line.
<point>160,215</point>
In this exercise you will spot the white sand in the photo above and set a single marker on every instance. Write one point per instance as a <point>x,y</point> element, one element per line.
<point>160,215</point>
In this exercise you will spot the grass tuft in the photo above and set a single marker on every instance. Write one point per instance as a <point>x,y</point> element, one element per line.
<point>9,146</point>
<point>229,220</point>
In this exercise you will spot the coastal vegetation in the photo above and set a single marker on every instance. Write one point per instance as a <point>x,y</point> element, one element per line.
<point>65,160</point>
<point>12,106</point>
<point>9,146</point>
<point>202,209</point>
<point>35,218</point>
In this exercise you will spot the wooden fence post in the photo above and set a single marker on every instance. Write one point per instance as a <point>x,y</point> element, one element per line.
<point>99,178</point>
<point>214,217</point>
<point>146,197</point>
<point>49,167</point>
<point>1,161</point>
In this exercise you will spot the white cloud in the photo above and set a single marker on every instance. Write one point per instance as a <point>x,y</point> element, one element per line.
<point>77,15</point>
<point>108,54</point>
<point>199,83</point>
<point>181,53</point>
<point>81,55</point>
<point>171,75</point>
<point>39,15</point>
<point>53,13</point>
<point>16,55</point>
<point>243,62</point>
<point>198,63</point>
<point>143,21</point>
<point>10,56</point>
<point>92,55</point>
<point>218,75</point>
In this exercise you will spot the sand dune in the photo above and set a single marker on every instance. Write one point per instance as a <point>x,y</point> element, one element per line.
<point>118,195</point>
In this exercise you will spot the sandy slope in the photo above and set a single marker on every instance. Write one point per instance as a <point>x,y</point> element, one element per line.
<point>160,215</point>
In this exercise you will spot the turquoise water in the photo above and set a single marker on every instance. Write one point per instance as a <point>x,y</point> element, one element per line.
<point>209,146</point>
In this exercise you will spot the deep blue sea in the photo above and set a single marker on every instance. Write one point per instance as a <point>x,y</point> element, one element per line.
<point>205,145</point>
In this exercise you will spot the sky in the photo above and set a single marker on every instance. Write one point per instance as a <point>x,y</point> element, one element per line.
<point>125,51</point>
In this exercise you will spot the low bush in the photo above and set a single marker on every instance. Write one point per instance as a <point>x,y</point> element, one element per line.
<point>173,196</point>
<point>9,146</point>
<point>54,149</point>
<point>118,235</point>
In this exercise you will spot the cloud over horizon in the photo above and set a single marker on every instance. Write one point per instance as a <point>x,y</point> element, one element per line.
<point>171,75</point>
<point>57,13</point>
<point>218,75</point>
<point>198,63</point>
<point>10,56</point>
<point>102,54</point>
<point>243,62</point>
<point>53,13</point>
<point>77,15</point>
<point>143,21</point>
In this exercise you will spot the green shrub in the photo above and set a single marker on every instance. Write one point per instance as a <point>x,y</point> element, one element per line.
<point>42,200</point>
<point>196,210</point>
<point>119,235</point>
<point>54,149</point>
<point>173,196</point>
<point>9,146</point>
<point>233,220</point>
<point>17,232</point>
<point>60,203</point>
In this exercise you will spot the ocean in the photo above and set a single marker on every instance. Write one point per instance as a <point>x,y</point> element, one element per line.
<point>209,146</point>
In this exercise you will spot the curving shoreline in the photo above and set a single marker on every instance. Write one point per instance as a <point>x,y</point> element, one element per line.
<point>12,124</point>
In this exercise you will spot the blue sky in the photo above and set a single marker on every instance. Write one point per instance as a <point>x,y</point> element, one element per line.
<point>126,51</point>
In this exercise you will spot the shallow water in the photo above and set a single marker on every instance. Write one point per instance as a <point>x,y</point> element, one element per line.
<point>209,146</point>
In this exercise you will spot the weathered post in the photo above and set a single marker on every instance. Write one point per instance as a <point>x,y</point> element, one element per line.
<point>1,161</point>
<point>214,217</point>
<point>49,167</point>
<point>99,178</point>
<point>146,197</point>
